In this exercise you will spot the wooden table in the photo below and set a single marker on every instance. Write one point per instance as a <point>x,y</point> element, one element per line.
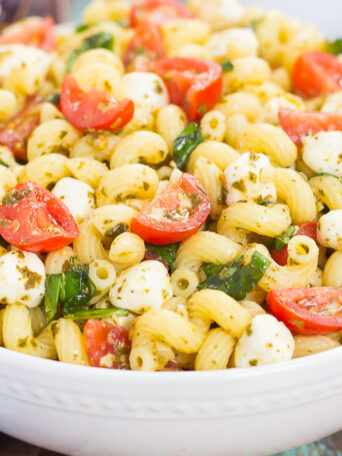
<point>331,446</point>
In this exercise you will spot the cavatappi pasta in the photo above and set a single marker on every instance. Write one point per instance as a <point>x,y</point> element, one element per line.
<point>170,203</point>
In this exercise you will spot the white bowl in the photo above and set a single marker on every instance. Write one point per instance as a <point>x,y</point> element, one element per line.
<point>97,412</point>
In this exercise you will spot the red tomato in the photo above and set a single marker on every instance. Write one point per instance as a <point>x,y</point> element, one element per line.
<point>316,73</point>
<point>40,33</point>
<point>157,11</point>
<point>35,220</point>
<point>308,311</point>
<point>15,132</point>
<point>145,46</point>
<point>102,338</point>
<point>175,214</point>
<point>95,109</point>
<point>307,229</point>
<point>193,84</point>
<point>298,124</point>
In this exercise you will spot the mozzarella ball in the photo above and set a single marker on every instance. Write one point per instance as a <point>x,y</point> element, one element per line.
<point>323,152</point>
<point>329,230</point>
<point>78,197</point>
<point>13,56</point>
<point>219,14</point>
<point>270,111</point>
<point>265,341</point>
<point>22,279</point>
<point>233,44</point>
<point>144,286</point>
<point>146,88</point>
<point>333,103</point>
<point>249,179</point>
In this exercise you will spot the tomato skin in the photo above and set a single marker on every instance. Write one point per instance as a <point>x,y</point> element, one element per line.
<point>306,310</point>
<point>36,220</point>
<point>307,229</point>
<point>298,123</point>
<point>166,230</point>
<point>15,132</point>
<point>193,84</point>
<point>102,338</point>
<point>41,34</point>
<point>316,73</point>
<point>157,11</point>
<point>145,46</point>
<point>95,109</point>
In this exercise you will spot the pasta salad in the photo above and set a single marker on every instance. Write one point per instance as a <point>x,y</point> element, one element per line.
<point>170,184</point>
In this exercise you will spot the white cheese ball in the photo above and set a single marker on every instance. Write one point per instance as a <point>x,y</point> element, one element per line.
<point>270,110</point>
<point>249,178</point>
<point>78,197</point>
<point>265,341</point>
<point>146,88</point>
<point>333,103</point>
<point>219,14</point>
<point>233,44</point>
<point>18,56</point>
<point>329,230</point>
<point>22,279</point>
<point>323,152</point>
<point>144,286</point>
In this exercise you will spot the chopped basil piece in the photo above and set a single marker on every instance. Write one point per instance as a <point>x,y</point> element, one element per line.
<point>85,314</point>
<point>73,289</point>
<point>3,163</point>
<point>235,279</point>
<point>227,66</point>
<point>186,143</point>
<point>82,28</point>
<point>54,99</point>
<point>282,241</point>
<point>116,230</point>
<point>335,47</point>
<point>254,24</point>
<point>167,253</point>
<point>100,40</point>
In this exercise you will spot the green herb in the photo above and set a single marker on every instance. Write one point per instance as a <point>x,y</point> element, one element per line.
<point>227,66</point>
<point>165,252</point>
<point>186,143</point>
<point>82,28</point>
<point>116,230</point>
<point>254,24</point>
<point>279,242</point>
<point>100,40</point>
<point>3,163</point>
<point>335,47</point>
<point>85,314</point>
<point>235,279</point>
<point>54,99</point>
<point>73,289</point>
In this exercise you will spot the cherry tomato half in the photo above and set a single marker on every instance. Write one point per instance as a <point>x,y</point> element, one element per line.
<point>193,84</point>
<point>40,33</point>
<point>157,11</point>
<point>145,46</point>
<point>94,109</point>
<point>298,124</point>
<point>316,73</point>
<point>15,132</point>
<point>307,229</point>
<point>35,220</point>
<point>308,311</point>
<point>175,214</point>
<point>104,338</point>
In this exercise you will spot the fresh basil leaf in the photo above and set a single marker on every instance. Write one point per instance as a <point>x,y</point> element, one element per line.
<point>54,99</point>
<point>85,314</point>
<point>282,241</point>
<point>226,270</point>
<point>53,288</point>
<point>237,280</point>
<point>335,47</point>
<point>167,253</point>
<point>254,24</point>
<point>99,40</point>
<point>118,229</point>
<point>186,143</point>
<point>3,163</point>
<point>227,66</point>
<point>82,27</point>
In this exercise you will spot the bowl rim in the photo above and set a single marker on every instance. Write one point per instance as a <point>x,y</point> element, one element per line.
<point>21,361</point>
